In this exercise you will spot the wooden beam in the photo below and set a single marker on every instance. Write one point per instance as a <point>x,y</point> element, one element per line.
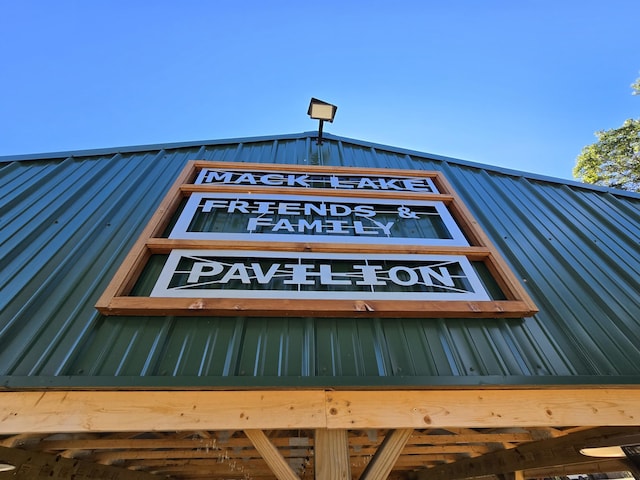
<point>417,439</point>
<point>121,411</point>
<point>110,443</point>
<point>325,192</point>
<point>32,465</point>
<point>597,466</point>
<point>332,455</point>
<point>271,456</point>
<point>498,266</point>
<point>557,451</point>
<point>484,408</point>
<point>276,307</point>
<point>134,262</point>
<point>165,245</point>
<point>385,458</point>
<point>323,169</point>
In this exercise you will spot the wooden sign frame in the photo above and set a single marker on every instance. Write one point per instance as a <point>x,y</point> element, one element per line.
<point>117,298</point>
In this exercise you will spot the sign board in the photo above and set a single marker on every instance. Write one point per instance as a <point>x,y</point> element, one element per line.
<point>259,274</point>
<point>353,181</point>
<point>287,240</point>
<point>282,218</point>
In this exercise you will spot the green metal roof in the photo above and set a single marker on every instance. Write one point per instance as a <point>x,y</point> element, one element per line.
<point>68,219</point>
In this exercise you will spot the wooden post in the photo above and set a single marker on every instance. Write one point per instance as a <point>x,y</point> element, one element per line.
<point>332,455</point>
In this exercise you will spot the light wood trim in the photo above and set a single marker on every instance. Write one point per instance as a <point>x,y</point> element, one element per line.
<point>466,221</point>
<point>497,266</point>
<point>507,281</point>
<point>165,245</point>
<point>483,408</point>
<point>124,411</point>
<point>465,438</point>
<point>271,456</point>
<point>419,441</point>
<point>331,454</point>
<point>167,410</point>
<point>134,262</point>
<point>319,169</point>
<point>160,306</point>
<point>188,189</point>
<point>115,301</point>
<point>387,455</point>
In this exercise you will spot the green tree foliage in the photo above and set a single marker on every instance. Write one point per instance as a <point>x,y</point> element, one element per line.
<point>614,160</point>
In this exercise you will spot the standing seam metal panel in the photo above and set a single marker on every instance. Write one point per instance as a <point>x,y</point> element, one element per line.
<point>67,224</point>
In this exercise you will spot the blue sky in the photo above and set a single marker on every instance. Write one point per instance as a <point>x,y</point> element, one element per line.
<point>517,84</point>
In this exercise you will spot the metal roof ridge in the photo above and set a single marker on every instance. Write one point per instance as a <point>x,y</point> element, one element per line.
<point>487,167</point>
<point>145,147</point>
<point>327,136</point>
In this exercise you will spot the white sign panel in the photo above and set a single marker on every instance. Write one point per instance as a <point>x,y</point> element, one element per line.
<point>213,176</point>
<point>319,276</point>
<point>305,218</point>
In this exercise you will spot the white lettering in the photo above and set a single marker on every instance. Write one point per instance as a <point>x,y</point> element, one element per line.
<point>336,183</point>
<point>365,210</point>
<point>213,176</point>
<point>204,269</point>
<point>310,208</point>
<point>211,204</point>
<point>283,224</point>
<point>255,222</point>
<point>369,276</point>
<point>262,277</point>
<point>339,210</point>
<point>289,208</point>
<point>300,275</point>
<point>246,178</point>
<point>386,228</point>
<point>264,207</point>
<point>336,226</point>
<point>416,185</point>
<point>389,184</point>
<point>302,180</point>
<point>327,277</point>
<point>272,179</point>
<point>444,277</point>
<point>361,229</point>
<point>237,271</point>
<point>293,180</point>
<point>367,183</point>
<point>303,224</point>
<point>239,206</point>
<point>394,276</point>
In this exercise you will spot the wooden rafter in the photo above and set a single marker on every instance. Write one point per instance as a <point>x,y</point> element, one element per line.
<point>543,453</point>
<point>200,434</point>
<point>387,455</point>
<point>269,452</point>
<point>37,465</point>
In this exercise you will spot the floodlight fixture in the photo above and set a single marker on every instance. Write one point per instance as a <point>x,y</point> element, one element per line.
<point>322,111</point>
